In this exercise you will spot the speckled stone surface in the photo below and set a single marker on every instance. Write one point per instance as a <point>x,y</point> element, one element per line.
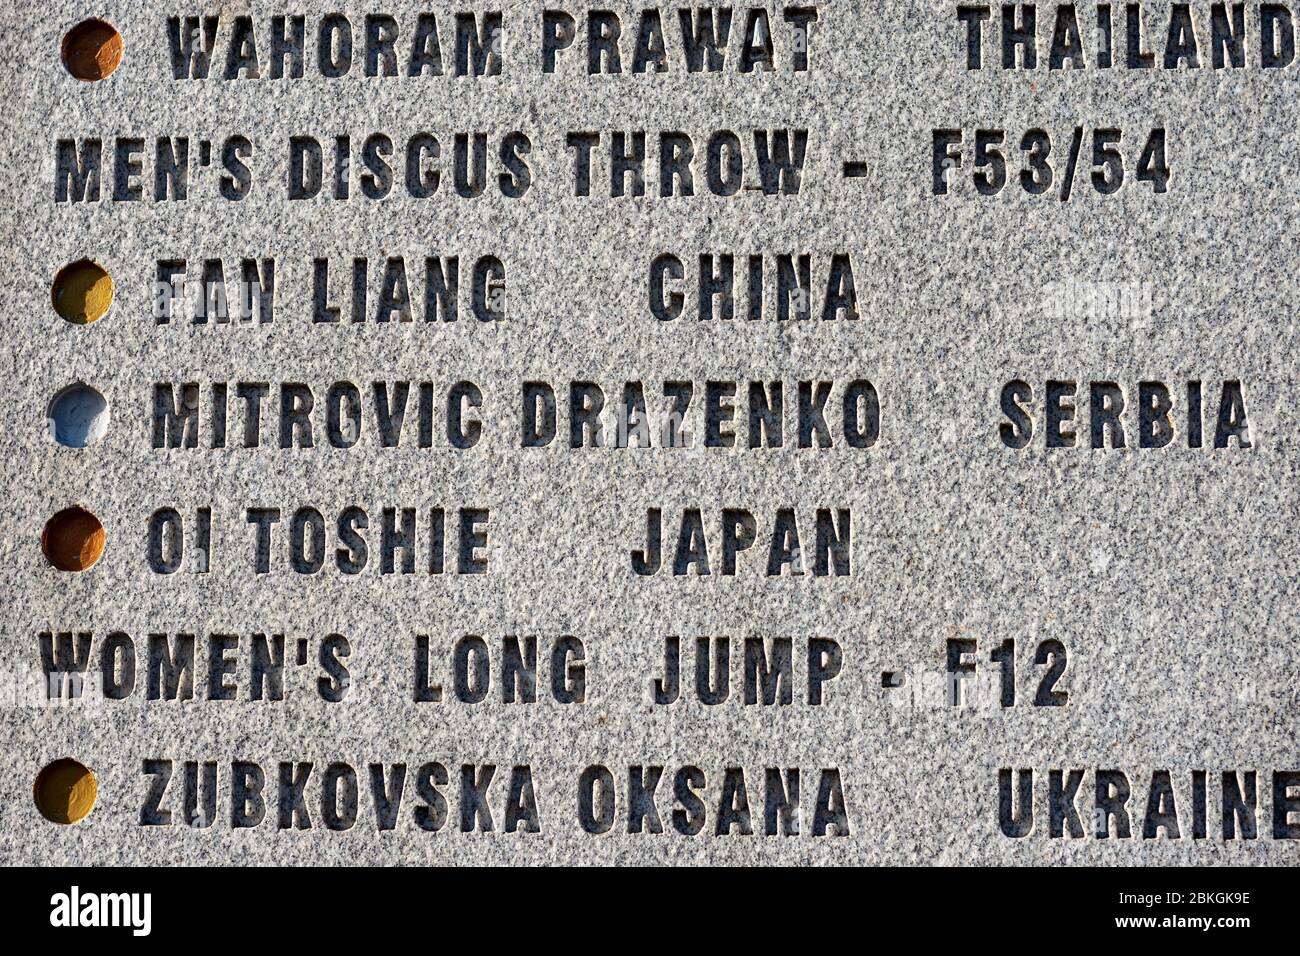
<point>1170,575</point>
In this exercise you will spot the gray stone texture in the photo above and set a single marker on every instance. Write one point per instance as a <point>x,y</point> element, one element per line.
<point>1170,574</point>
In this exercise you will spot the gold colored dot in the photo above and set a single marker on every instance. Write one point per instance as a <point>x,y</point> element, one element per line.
<point>83,292</point>
<point>92,50</point>
<point>65,791</point>
<point>73,540</point>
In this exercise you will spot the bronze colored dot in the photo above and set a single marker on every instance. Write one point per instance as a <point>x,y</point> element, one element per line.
<point>82,292</point>
<point>92,50</point>
<point>65,791</point>
<point>73,540</point>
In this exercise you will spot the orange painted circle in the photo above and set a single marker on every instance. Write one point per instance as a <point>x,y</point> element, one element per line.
<point>92,50</point>
<point>73,540</point>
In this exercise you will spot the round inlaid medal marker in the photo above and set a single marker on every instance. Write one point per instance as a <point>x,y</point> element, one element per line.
<point>92,50</point>
<point>78,416</point>
<point>65,791</point>
<point>73,540</point>
<point>82,292</point>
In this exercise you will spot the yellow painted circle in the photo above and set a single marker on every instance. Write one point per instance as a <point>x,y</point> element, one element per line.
<point>65,791</point>
<point>83,292</point>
